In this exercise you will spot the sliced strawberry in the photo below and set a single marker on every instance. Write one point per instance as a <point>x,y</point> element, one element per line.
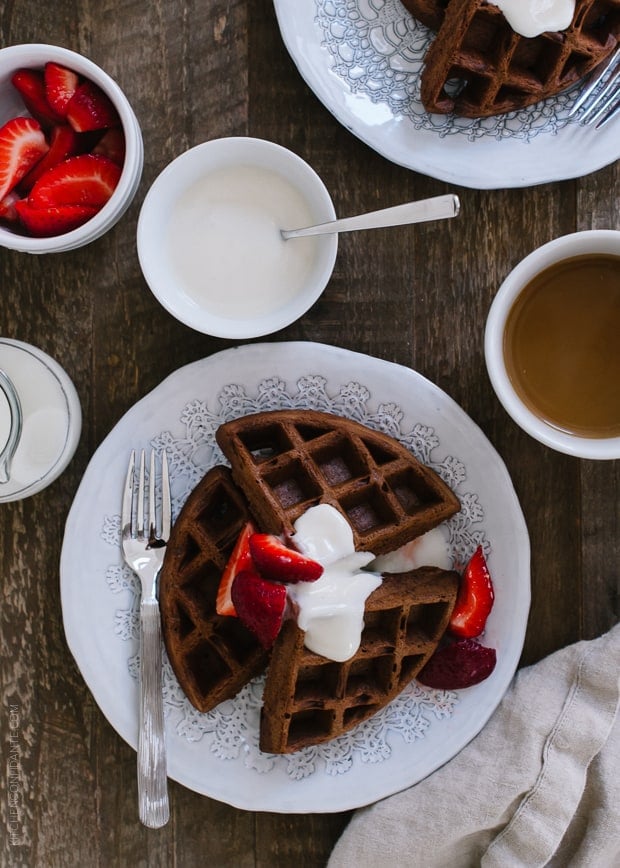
<point>474,600</point>
<point>64,142</point>
<point>112,145</point>
<point>60,85</point>
<point>260,605</point>
<point>31,86</point>
<point>22,144</point>
<point>91,109</point>
<point>276,561</point>
<point>87,179</point>
<point>8,211</point>
<point>461,664</point>
<point>53,220</point>
<point>239,560</point>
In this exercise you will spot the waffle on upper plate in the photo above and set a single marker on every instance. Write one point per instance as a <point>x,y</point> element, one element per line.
<point>286,461</point>
<point>309,699</point>
<point>213,656</point>
<point>478,66</point>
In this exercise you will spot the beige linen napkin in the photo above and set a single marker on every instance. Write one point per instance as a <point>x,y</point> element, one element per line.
<point>539,785</point>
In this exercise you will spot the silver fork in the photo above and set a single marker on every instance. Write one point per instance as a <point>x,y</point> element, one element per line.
<point>600,98</point>
<point>144,545</point>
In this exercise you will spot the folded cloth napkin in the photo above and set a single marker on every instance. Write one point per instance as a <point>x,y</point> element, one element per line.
<point>539,785</point>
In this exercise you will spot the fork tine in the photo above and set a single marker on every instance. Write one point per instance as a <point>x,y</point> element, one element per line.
<point>604,100</point>
<point>165,497</point>
<point>140,516</point>
<point>152,486</point>
<point>126,510</point>
<point>612,112</point>
<point>594,80</point>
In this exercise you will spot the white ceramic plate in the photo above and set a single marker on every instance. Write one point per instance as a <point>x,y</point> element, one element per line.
<point>217,753</point>
<point>363,58</point>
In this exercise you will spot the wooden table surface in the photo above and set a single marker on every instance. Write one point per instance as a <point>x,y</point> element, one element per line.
<point>419,297</point>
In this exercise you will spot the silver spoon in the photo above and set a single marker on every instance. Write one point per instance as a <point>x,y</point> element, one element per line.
<point>15,410</point>
<point>436,208</point>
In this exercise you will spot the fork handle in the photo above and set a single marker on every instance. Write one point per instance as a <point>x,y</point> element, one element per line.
<point>152,778</point>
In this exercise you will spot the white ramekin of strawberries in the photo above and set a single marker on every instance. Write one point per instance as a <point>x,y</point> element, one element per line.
<point>71,151</point>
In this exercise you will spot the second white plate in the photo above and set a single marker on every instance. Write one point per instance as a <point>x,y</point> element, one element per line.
<point>363,59</point>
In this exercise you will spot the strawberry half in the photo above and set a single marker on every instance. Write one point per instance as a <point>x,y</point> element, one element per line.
<point>276,561</point>
<point>64,143</point>
<point>60,85</point>
<point>31,86</point>
<point>461,664</point>
<point>45,222</point>
<point>260,605</point>
<point>474,600</point>
<point>87,179</point>
<point>239,560</point>
<point>22,144</point>
<point>91,109</point>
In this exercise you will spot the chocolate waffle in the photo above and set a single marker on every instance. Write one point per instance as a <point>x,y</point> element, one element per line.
<point>213,656</point>
<point>309,699</point>
<point>478,66</point>
<point>286,461</point>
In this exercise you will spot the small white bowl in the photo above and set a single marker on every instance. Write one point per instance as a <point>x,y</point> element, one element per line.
<point>209,243</point>
<point>35,56</point>
<point>577,244</point>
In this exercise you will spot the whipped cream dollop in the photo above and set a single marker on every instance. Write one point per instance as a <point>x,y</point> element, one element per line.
<point>331,610</point>
<point>533,17</point>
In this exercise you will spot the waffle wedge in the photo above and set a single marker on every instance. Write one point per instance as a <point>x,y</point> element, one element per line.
<point>478,66</point>
<point>309,699</point>
<point>286,461</point>
<point>213,656</point>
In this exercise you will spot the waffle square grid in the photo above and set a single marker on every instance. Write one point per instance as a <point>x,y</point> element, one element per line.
<point>287,461</point>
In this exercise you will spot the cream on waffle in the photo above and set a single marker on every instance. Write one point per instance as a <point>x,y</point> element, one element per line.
<point>479,66</point>
<point>309,699</point>
<point>286,461</point>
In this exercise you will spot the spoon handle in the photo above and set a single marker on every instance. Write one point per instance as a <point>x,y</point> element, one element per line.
<point>436,208</point>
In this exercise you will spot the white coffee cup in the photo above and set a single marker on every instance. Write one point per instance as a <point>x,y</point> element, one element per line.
<point>606,242</point>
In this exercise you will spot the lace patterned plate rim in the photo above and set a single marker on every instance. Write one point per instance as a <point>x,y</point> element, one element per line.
<point>363,58</point>
<point>217,754</point>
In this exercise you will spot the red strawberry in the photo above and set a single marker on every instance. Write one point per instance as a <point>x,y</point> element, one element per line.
<point>276,561</point>
<point>240,560</point>
<point>260,605</point>
<point>45,222</point>
<point>91,109</point>
<point>83,180</point>
<point>60,85</point>
<point>64,142</point>
<point>461,664</point>
<point>22,144</point>
<point>112,145</point>
<point>474,600</point>
<point>8,211</point>
<point>31,86</point>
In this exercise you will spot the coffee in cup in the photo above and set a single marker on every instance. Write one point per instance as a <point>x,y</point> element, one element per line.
<point>552,344</point>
